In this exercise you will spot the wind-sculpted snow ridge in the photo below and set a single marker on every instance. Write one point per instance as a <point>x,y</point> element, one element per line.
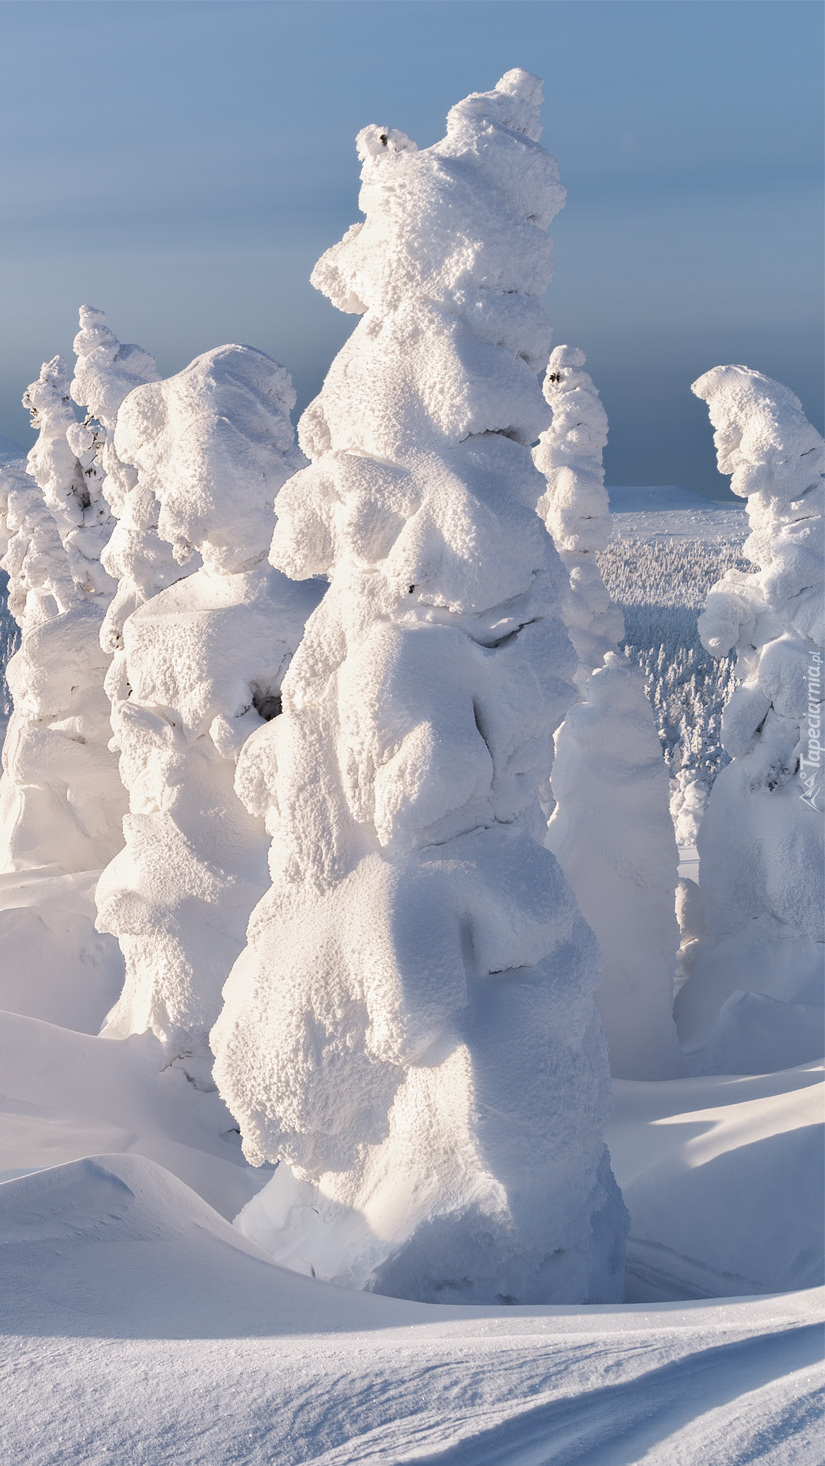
<point>411,1028</point>
<point>761,842</point>
<point>199,671</point>
<point>61,800</point>
<point>611,828</point>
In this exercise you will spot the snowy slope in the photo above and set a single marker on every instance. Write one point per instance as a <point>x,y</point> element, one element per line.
<point>137,1326</point>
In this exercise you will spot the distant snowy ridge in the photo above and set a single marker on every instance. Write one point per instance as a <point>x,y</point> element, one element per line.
<point>9,451</point>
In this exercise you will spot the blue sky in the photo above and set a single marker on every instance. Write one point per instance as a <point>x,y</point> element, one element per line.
<point>183,164</point>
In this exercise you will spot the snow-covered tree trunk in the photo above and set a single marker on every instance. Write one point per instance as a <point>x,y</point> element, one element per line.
<point>200,667</point>
<point>411,1028</point>
<point>611,829</point>
<point>753,1000</point>
<point>61,800</point>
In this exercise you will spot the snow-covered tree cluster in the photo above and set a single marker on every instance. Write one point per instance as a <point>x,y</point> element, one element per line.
<point>329,785</point>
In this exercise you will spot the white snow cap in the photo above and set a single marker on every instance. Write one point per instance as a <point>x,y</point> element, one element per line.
<point>214,444</point>
<point>106,371</point>
<point>761,840</point>
<point>411,1027</point>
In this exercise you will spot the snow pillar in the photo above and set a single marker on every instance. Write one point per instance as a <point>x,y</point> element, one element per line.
<point>411,1028</point>
<point>753,1001</point>
<point>611,829</point>
<point>61,801</point>
<point>198,670</point>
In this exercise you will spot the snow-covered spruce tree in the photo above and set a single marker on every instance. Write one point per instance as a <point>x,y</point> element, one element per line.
<point>761,840</point>
<point>136,556</point>
<point>575,507</point>
<point>610,830</point>
<point>201,663</point>
<point>61,800</point>
<point>411,1029</point>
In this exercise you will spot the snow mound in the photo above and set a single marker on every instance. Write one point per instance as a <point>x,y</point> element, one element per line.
<point>54,965</point>
<point>150,1259</point>
<point>723,1179</point>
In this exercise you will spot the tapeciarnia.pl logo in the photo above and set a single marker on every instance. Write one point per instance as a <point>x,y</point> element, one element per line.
<point>810,765</point>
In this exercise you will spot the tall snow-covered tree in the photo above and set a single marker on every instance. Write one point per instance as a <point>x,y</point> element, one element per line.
<point>61,800</point>
<point>611,828</point>
<point>411,1029</point>
<point>753,1000</point>
<point>575,507</point>
<point>201,666</point>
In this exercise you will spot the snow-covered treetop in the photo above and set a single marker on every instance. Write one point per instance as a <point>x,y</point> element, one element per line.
<point>455,243</point>
<point>776,460</point>
<point>40,586</point>
<point>70,488</point>
<point>569,454</point>
<point>575,508</point>
<point>106,371</point>
<point>214,444</point>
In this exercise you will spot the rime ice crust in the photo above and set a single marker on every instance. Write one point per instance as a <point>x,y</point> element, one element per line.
<point>761,840</point>
<point>61,800</point>
<point>200,668</point>
<point>611,829</point>
<point>411,1027</point>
